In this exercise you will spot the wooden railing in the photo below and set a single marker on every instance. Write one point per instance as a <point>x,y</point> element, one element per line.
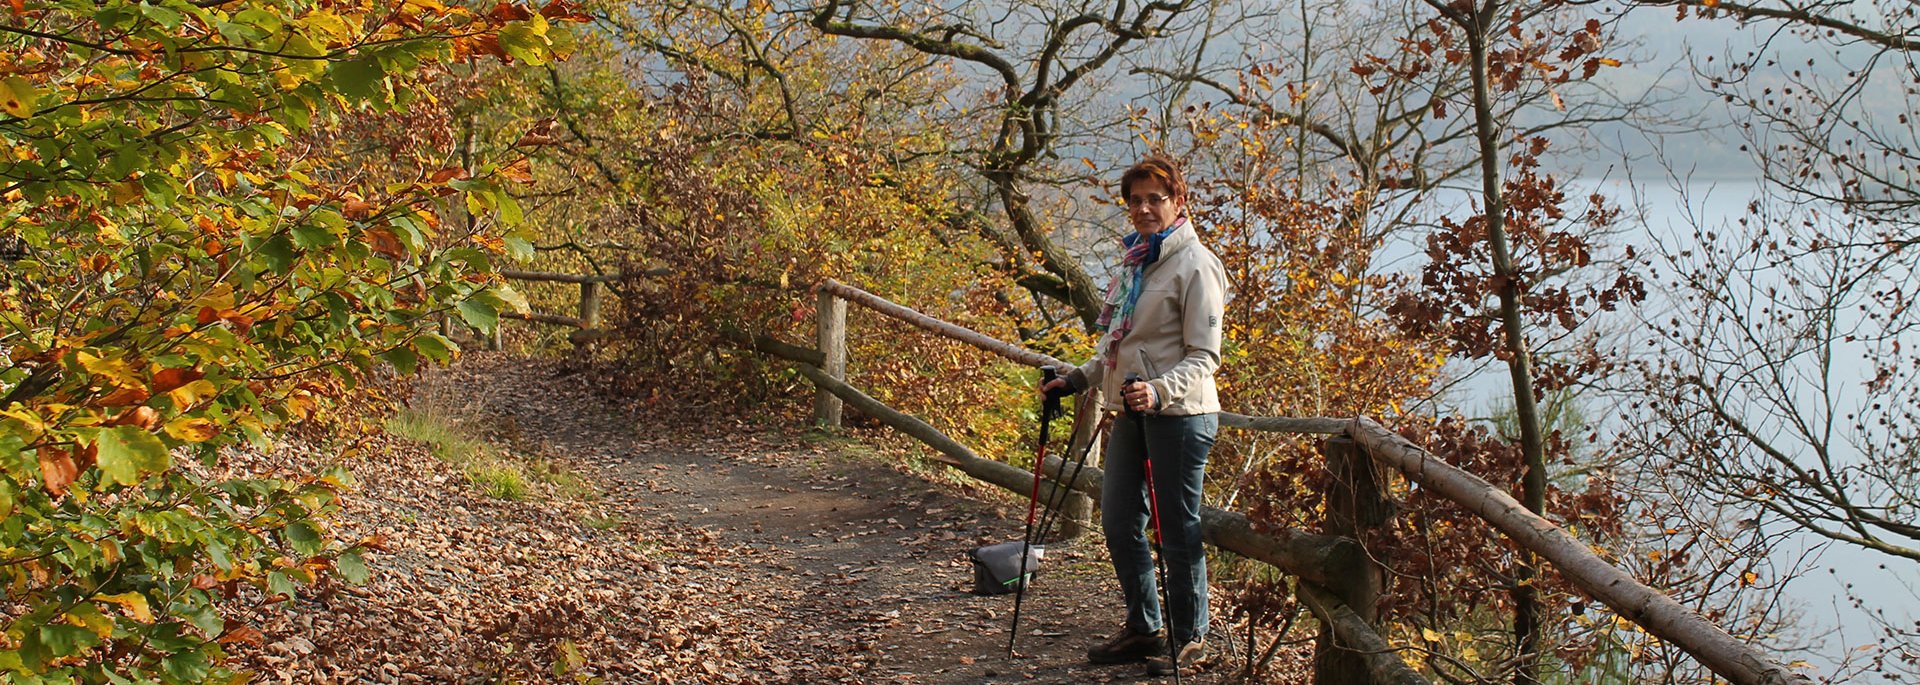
<point>1341,576</point>
<point>593,290</point>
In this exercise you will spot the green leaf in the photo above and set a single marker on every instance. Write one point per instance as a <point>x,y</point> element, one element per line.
<point>358,78</point>
<point>65,640</point>
<point>126,453</point>
<point>510,214</point>
<point>510,298</point>
<point>520,249</point>
<point>309,236</point>
<point>187,667</point>
<point>161,15</point>
<point>524,43</point>
<point>259,17</point>
<point>277,253</point>
<point>280,583</point>
<point>482,313</point>
<point>352,567</point>
<point>304,538</point>
<point>403,359</point>
<point>436,348</point>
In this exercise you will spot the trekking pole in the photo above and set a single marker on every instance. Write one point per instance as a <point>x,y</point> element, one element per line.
<point>1153,514</point>
<point>1050,511</point>
<point>1048,407</point>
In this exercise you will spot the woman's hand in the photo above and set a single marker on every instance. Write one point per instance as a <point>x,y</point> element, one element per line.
<point>1057,387</point>
<point>1140,397</point>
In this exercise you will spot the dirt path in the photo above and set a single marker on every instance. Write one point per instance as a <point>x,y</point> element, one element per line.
<point>712,554</point>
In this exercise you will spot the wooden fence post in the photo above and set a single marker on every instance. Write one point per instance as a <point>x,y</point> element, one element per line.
<point>1356,509</point>
<point>590,304</point>
<point>830,326</point>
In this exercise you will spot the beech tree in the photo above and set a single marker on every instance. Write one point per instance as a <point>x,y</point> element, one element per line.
<point>183,277</point>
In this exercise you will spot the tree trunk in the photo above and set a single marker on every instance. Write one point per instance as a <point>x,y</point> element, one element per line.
<point>1526,623</point>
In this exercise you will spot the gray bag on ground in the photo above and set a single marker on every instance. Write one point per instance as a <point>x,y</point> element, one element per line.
<point>996,568</point>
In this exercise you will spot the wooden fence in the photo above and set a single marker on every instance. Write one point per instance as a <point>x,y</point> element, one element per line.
<point>1341,576</point>
<point>586,319</point>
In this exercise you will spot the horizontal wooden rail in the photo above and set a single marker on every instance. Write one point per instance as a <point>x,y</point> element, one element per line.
<point>578,278</point>
<point>1285,424</point>
<point>543,317</point>
<point>1737,661</point>
<point>960,333</point>
<point>950,451</point>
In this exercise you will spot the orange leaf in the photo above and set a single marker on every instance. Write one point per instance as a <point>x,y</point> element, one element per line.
<point>519,172</point>
<point>357,209</point>
<point>144,417</point>
<point>57,470</point>
<point>123,397</point>
<point>167,379</point>
<point>241,322</point>
<point>241,632</point>
<point>207,315</point>
<point>447,174</point>
<point>505,12</point>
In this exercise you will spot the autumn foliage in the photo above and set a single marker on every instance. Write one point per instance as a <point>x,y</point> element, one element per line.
<point>190,273</point>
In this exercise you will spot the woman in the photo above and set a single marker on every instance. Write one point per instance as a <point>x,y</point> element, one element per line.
<point>1162,321</point>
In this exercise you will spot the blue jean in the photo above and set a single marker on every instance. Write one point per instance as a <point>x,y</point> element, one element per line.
<point>1178,446</point>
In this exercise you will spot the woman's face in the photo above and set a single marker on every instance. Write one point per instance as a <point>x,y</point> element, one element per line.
<point>1151,207</point>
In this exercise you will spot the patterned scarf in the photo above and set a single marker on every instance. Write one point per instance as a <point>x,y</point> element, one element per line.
<point>1124,292</point>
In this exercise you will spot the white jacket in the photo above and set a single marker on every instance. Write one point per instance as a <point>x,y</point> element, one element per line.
<point>1176,328</point>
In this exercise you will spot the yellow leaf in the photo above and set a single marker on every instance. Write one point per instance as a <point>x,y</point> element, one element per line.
<point>114,369</point>
<point>1430,635</point>
<point>17,96</point>
<point>191,394</point>
<point>192,429</point>
<point>133,604</point>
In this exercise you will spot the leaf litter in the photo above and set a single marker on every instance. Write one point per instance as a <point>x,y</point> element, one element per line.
<point>712,552</point>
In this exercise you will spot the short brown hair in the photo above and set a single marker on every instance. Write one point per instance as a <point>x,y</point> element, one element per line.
<point>1157,167</point>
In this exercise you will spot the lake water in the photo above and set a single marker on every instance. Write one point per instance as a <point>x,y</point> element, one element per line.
<point>1831,576</point>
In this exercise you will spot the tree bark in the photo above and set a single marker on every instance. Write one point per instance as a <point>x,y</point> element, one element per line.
<point>1660,615</point>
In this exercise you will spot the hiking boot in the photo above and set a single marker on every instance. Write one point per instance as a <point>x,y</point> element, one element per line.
<point>1128,646</point>
<point>1159,665</point>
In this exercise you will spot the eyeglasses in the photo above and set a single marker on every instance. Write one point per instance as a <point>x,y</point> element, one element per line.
<point>1152,199</point>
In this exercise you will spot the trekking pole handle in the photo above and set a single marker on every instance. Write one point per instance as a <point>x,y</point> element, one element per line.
<point>1048,375</point>
<point>1132,378</point>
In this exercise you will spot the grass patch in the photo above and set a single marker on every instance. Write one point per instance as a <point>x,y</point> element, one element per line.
<point>494,471</point>
<point>602,522</point>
